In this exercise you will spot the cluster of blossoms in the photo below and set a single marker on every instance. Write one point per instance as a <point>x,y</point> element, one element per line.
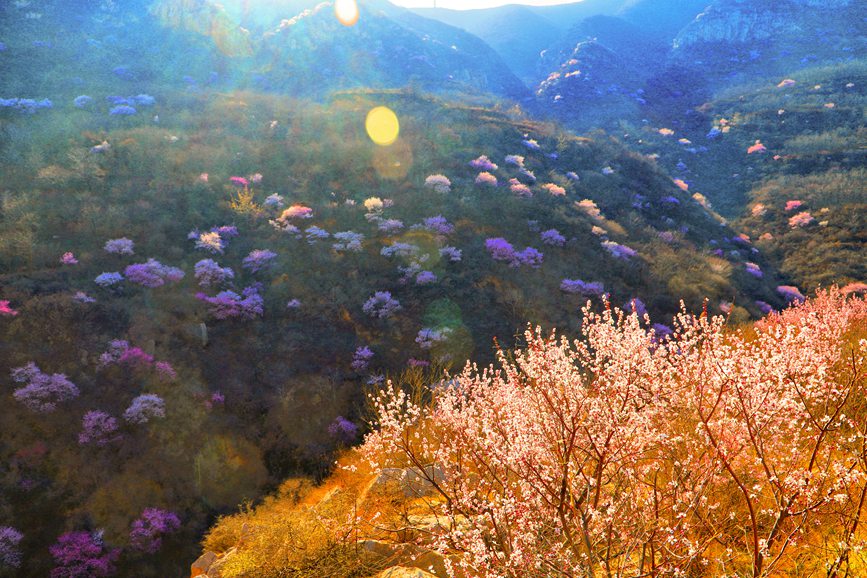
<point>349,241</point>
<point>400,249</point>
<point>98,427</point>
<point>343,430</point>
<point>453,254</point>
<point>519,188</point>
<point>637,306</point>
<point>759,210</point>
<point>439,183</point>
<point>801,219</point>
<point>381,305</point>
<point>258,260</point>
<point>438,225</point>
<point>425,278</point>
<point>486,179</point>
<point>108,279</point>
<point>78,297</point>
<point>516,160</point>
<point>764,307</point>
<point>390,226</point>
<point>553,237</point>
<point>149,529</point>
<point>483,163</point>
<point>555,190</point>
<point>573,176</point>
<point>228,304</point>
<point>502,250</point>
<point>793,204</point>
<point>790,293</point>
<point>152,274</point>
<point>754,270</point>
<point>361,358</point>
<point>428,337</point>
<point>122,246</point>
<point>42,392</point>
<point>144,408</point>
<point>274,200</point>
<point>6,309</point>
<point>591,289</point>
<point>374,205</point>
<point>10,554</point>
<point>68,258</point>
<point>314,234</point>
<point>590,208</point>
<point>79,554</point>
<point>619,251</point>
<point>531,144</point>
<point>209,273</point>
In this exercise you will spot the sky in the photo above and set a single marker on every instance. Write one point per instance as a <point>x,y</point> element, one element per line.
<point>469,4</point>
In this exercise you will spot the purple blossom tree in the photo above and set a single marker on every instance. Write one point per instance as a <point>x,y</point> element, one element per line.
<point>453,254</point>
<point>381,305</point>
<point>42,392</point>
<point>10,554</point>
<point>593,289</point>
<point>361,358</point>
<point>425,278</point>
<point>209,273</point>
<point>82,555</point>
<point>122,246</point>
<point>228,304</point>
<point>500,249</point>
<point>439,183</point>
<point>349,241</point>
<point>258,260</point>
<point>343,430</point>
<point>529,256</point>
<point>553,237</point>
<point>483,163</point>
<point>108,279</point>
<point>145,408</point>
<point>152,274</point>
<point>149,529</point>
<point>619,251</point>
<point>98,427</point>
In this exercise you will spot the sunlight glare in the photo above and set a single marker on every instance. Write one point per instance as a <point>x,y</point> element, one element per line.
<point>382,126</point>
<point>346,11</point>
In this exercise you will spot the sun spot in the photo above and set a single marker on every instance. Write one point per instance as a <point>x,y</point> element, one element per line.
<point>382,126</point>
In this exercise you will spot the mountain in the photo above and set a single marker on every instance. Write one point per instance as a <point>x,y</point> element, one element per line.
<point>662,19</point>
<point>521,33</point>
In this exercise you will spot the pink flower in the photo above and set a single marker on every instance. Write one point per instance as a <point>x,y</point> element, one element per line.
<point>791,205</point>
<point>240,181</point>
<point>6,310</point>
<point>68,259</point>
<point>758,147</point>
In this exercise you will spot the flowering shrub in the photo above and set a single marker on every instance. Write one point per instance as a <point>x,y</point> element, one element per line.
<point>486,179</point>
<point>589,207</point>
<point>381,305</point>
<point>296,212</point>
<point>801,219</point>
<point>98,427</point>
<point>500,249</point>
<point>425,278</point>
<point>228,304</point>
<point>531,144</point>
<point>439,183</point>
<point>519,188</point>
<point>314,234</point>
<point>348,241</point>
<point>361,358</point>
<point>428,337</point>
<point>343,430</point>
<point>793,204</point>
<point>258,260</point>
<point>122,246</point>
<point>10,554</point>
<point>555,190</point>
<point>209,273</point>
<point>152,274</point>
<point>438,225</point>
<point>149,529</point>
<point>68,258</point>
<point>400,249</point>
<point>209,241</point>
<point>108,279</point>
<point>82,555</point>
<point>145,408</point>
<point>390,226</point>
<point>529,256</point>
<point>553,237</point>
<point>580,455</point>
<point>483,163</point>
<point>619,251</point>
<point>593,289</point>
<point>453,254</point>
<point>516,160</point>
<point>274,200</point>
<point>790,293</point>
<point>374,205</point>
<point>6,310</point>
<point>754,270</point>
<point>42,392</point>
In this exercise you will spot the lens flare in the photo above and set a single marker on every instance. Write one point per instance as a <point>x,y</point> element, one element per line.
<point>382,126</point>
<point>346,12</point>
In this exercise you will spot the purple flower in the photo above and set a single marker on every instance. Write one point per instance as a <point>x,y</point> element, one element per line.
<point>209,273</point>
<point>315,233</point>
<point>108,279</point>
<point>636,306</point>
<point>122,110</point>
<point>274,200</point>
<point>361,358</point>
<point>453,254</point>
<point>152,274</point>
<point>82,297</point>
<point>10,554</point>
<point>553,237</point>
<point>293,304</point>
<point>381,305</point>
<point>483,163</point>
<point>228,304</point>
<point>99,428</point>
<point>765,308</point>
<point>42,392</point>
<point>122,246</point>
<point>438,225</point>
<point>500,249</point>
<point>165,371</point>
<point>258,260</point>
<point>390,225</point>
<point>531,144</point>
<point>594,289</point>
<point>428,337</point>
<point>754,270</point>
<point>344,430</point>
<point>530,257</point>
<point>619,251</point>
<point>516,160</point>
<point>348,241</point>
<point>82,555</point>
<point>790,293</point>
<point>149,529</point>
<point>661,331</point>
<point>425,278</point>
<point>399,249</point>
<point>226,231</point>
<point>145,408</point>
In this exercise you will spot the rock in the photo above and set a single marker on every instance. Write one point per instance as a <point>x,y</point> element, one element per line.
<point>200,566</point>
<point>407,556</point>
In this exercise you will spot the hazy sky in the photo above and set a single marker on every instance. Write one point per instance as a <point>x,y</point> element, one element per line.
<point>468,4</point>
